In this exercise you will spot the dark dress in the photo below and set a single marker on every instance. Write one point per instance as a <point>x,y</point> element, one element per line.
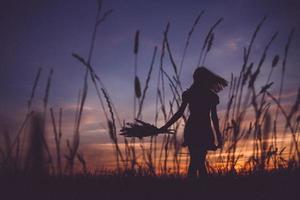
<point>198,130</point>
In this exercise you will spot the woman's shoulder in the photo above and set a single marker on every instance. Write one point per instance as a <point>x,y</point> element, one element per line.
<point>215,97</point>
<point>186,94</point>
<point>187,91</point>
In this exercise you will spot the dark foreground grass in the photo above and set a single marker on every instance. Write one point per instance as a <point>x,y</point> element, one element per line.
<point>273,185</point>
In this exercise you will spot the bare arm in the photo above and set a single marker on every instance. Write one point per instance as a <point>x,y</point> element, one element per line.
<point>175,117</point>
<point>215,119</point>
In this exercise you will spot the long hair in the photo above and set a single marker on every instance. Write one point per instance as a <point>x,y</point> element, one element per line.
<point>207,79</point>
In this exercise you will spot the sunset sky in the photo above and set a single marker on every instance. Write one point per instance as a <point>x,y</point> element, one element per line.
<point>45,33</point>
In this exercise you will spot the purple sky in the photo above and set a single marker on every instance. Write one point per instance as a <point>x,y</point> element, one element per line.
<point>44,33</point>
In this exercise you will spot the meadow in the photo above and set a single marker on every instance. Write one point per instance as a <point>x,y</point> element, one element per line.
<point>272,185</point>
<point>260,155</point>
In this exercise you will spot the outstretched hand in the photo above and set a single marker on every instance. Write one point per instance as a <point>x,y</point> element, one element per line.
<point>162,129</point>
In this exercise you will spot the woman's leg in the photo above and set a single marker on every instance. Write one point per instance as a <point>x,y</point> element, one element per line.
<point>201,162</point>
<point>192,171</point>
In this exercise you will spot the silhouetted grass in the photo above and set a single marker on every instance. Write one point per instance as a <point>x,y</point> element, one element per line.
<point>164,154</point>
<point>273,185</point>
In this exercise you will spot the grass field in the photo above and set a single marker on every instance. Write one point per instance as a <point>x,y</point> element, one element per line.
<point>253,122</point>
<point>274,185</point>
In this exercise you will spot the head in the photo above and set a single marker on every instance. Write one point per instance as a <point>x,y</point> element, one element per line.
<point>205,78</point>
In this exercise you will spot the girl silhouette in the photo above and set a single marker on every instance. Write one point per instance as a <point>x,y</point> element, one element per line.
<point>198,134</point>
